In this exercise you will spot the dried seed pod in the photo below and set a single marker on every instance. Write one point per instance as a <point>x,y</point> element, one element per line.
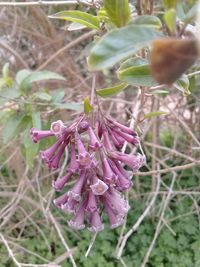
<point>171,57</point>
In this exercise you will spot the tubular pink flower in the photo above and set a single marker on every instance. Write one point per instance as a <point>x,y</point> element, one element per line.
<point>119,138</point>
<point>59,184</point>
<point>73,165</point>
<point>48,154</point>
<point>106,141</point>
<point>91,205</point>
<point>70,206</point>
<point>108,174</point>
<point>76,190</point>
<point>127,137</point>
<point>114,200</point>
<point>116,140</point>
<point>95,222</point>
<point>83,126</point>
<point>78,221</point>
<point>57,128</point>
<point>122,180</point>
<point>54,163</point>
<point>37,135</point>
<point>114,219</point>
<point>135,162</point>
<point>94,142</point>
<point>99,129</point>
<point>121,169</point>
<point>99,188</point>
<point>122,127</point>
<point>61,200</point>
<point>84,158</point>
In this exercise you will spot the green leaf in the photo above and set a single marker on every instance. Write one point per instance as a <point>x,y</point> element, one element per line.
<point>119,44</point>
<point>5,71</point>
<point>2,83</point>
<point>57,95</point>
<point>136,71</point>
<point>155,114</point>
<point>87,107</point>
<point>37,76</point>
<point>71,106</point>
<point>43,96</point>
<point>31,150</point>
<point>183,85</point>
<point>170,19</point>
<point>170,4</point>
<point>192,84</point>
<point>36,120</point>
<point>11,92</point>
<point>148,20</point>
<point>118,11</point>
<point>111,91</point>
<point>74,26</point>
<point>80,17</point>
<point>10,129</point>
<point>191,16</point>
<point>21,75</point>
<point>154,92</point>
<point>102,14</point>
<point>7,80</point>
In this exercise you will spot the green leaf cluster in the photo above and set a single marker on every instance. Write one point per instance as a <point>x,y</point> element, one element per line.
<point>22,107</point>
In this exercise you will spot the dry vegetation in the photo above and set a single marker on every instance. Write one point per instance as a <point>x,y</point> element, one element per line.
<point>171,142</point>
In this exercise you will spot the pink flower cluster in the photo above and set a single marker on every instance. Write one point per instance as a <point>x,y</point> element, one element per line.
<point>96,166</point>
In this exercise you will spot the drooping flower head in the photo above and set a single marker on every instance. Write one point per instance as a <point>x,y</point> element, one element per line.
<point>96,169</point>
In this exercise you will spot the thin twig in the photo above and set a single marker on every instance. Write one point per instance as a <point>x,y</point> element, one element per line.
<point>176,168</point>
<point>56,225</point>
<point>10,252</point>
<point>139,221</point>
<point>91,245</point>
<point>170,150</point>
<point>159,225</point>
<point>14,53</point>
<point>39,3</point>
<point>67,47</point>
<point>93,89</point>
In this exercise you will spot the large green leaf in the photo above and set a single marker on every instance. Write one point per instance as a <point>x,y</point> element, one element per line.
<point>74,26</point>
<point>80,17</point>
<point>119,44</point>
<point>29,78</point>
<point>118,11</point>
<point>192,14</point>
<point>148,20</point>
<point>12,126</point>
<point>36,120</point>
<point>111,91</point>
<point>22,75</point>
<point>11,92</point>
<point>31,149</point>
<point>136,71</point>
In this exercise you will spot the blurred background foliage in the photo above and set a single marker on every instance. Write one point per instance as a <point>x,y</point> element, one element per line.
<point>32,96</point>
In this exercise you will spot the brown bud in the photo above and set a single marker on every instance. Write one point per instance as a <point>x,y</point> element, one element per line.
<point>171,57</point>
